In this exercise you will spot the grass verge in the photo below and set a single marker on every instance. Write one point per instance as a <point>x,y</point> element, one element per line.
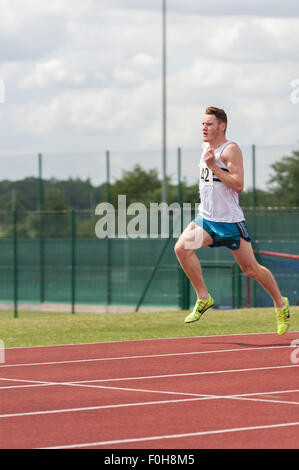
<point>40,329</point>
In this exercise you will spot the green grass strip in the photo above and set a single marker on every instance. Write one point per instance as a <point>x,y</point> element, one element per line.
<point>40,329</point>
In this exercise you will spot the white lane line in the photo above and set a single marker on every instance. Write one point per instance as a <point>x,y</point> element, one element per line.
<point>146,356</point>
<point>273,392</point>
<point>119,379</point>
<point>101,407</point>
<point>127,389</point>
<point>188,374</point>
<point>267,400</point>
<point>196,396</point>
<point>174,436</point>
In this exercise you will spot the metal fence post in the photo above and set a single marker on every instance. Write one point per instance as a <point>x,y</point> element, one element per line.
<point>184,283</point>
<point>109,293</point>
<point>73,259</point>
<point>180,271</point>
<point>15,262</point>
<point>254,212</point>
<point>239,286</point>
<point>41,226</point>
<point>151,277</point>
<point>233,285</point>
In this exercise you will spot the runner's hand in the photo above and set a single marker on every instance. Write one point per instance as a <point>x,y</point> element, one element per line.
<point>210,158</point>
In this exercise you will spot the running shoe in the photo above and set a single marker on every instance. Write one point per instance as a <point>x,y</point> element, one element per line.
<point>200,307</point>
<point>283,318</point>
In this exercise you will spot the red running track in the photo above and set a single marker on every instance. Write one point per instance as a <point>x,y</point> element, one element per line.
<point>216,392</point>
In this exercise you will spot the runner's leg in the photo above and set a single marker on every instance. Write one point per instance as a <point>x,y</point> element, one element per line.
<point>245,258</point>
<point>193,238</point>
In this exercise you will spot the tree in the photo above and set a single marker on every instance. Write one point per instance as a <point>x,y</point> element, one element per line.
<point>285,179</point>
<point>138,185</point>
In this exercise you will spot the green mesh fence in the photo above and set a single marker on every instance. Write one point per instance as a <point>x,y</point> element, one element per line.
<point>55,257</point>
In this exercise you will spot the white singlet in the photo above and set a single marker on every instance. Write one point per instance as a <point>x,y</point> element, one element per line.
<point>218,202</point>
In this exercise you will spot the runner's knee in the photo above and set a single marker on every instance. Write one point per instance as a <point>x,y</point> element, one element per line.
<point>251,270</point>
<point>180,249</point>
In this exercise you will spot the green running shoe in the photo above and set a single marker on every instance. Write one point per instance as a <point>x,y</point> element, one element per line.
<point>283,318</point>
<point>200,307</point>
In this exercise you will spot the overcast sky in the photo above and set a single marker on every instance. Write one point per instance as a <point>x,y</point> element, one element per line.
<point>85,75</point>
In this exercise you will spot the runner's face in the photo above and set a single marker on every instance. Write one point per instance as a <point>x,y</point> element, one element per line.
<point>211,128</point>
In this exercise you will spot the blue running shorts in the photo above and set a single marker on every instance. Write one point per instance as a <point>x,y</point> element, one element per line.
<point>223,233</point>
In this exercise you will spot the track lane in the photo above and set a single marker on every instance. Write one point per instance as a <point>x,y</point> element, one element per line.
<point>200,374</point>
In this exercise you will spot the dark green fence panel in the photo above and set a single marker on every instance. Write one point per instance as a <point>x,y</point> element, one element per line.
<point>67,263</point>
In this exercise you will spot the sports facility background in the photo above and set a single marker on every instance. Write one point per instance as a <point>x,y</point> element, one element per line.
<point>51,256</point>
<point>90,89</point>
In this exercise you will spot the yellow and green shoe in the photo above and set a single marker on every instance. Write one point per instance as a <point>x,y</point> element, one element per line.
<point>200,307</point>
<point>283,317</point>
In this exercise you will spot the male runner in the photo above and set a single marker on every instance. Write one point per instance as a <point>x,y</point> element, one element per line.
<point>220,220</point>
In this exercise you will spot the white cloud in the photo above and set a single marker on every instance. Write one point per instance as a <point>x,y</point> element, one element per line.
<point>53,72</point>
<point>143,60</point>
<point>87,73</point>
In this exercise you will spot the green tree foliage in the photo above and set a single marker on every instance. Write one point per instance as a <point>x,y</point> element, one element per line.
<point>285,179</point>
<point>138,184</point>
<point>23,195</point>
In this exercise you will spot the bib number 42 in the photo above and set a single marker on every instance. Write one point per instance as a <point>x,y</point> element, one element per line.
<point>206,175</point>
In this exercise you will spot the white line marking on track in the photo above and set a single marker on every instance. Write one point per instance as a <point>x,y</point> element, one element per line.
<point>101,407</point>
<point>146,356</point>
<point>119,379</point>
<point>186,374</point>
<point>196,397</point>
<point>175,436</point>
<point>286,402</point>
<point>105,387</point>
<point>199,397</point>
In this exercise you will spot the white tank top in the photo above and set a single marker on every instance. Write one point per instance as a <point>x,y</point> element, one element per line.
<point>218,202</point>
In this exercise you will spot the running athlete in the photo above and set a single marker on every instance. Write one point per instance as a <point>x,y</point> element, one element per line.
<point>220,220</point>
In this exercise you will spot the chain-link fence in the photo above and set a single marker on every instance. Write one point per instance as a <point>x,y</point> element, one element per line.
<point>50,253</point>
<point>44,260</point>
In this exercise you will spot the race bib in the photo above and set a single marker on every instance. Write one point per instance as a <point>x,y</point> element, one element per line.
<point>205,175</point>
